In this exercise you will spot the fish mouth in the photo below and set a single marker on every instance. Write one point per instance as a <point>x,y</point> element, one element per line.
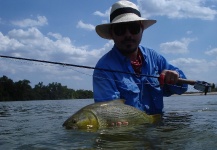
<point>64,124</point>
<point>69,125</point>
<point>74,127</point>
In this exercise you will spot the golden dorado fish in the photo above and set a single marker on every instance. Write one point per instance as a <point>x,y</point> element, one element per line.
<point>108,114</point>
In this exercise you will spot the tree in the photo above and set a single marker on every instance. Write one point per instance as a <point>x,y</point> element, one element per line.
<point>40,92</point>
<point>6,89</point>
<point>23,90</point>
<point>82,94</point>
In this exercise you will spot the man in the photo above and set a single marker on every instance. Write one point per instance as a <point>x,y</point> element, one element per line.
<point>136,87</point>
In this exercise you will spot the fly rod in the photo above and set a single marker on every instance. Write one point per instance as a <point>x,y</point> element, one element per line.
<point>199,85</point>
<point>74,65</point>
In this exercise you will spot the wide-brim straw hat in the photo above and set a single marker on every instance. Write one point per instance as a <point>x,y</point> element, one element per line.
<point>122,11</point>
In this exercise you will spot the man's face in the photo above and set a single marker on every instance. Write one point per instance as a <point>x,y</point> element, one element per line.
<point>127,36</point>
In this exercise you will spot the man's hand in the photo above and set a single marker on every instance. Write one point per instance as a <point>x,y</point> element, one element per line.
<point>170,76</point>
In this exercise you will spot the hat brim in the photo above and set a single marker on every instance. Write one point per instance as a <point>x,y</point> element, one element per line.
<point>103,30</point>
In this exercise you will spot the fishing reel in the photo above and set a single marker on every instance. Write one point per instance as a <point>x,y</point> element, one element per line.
<point>204,86</point>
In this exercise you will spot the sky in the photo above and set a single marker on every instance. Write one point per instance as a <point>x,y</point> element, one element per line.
<point>64,31</point>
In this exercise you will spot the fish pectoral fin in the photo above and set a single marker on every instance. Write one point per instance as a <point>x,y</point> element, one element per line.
<point>155,118</point>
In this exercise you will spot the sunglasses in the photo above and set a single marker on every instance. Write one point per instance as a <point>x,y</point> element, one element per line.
<point>120,28</point>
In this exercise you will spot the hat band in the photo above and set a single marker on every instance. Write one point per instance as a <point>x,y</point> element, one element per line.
<point>120,11</point>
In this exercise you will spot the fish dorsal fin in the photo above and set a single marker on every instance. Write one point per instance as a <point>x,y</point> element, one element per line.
<point>117,101</point>
<point>109,102</point>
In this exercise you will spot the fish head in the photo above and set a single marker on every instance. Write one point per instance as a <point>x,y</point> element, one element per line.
<point>82,120</point>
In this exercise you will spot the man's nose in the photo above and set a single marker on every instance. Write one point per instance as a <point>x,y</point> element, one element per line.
<point>127,33</point>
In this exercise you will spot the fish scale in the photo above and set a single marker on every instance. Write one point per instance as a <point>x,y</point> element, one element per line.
<point>106,114</point>
<point>112,113</point>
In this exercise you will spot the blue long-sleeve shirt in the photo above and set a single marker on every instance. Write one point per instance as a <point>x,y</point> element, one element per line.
<point>141,92</point>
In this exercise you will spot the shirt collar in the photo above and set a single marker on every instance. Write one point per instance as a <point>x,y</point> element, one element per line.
<point>144,52</point>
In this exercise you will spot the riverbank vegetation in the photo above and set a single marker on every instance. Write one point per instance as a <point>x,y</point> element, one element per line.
<point>22,90</point>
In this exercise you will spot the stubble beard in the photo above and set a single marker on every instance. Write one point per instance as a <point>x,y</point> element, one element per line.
<point>128,49</point>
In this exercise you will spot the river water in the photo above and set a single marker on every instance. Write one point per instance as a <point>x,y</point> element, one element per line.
<point>190,122</point>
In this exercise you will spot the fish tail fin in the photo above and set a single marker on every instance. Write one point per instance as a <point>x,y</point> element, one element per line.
<point>154,119</point>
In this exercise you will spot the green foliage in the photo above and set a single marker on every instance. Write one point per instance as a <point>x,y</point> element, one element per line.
<point>21,90</point>
<point>215,87</point>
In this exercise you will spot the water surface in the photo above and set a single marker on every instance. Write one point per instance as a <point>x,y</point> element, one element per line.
<point>190,122</point>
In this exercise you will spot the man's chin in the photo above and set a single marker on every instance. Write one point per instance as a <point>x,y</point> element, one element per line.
<point>128,51</point>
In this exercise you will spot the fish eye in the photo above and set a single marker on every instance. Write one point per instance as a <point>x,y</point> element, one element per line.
<point>74,121</point>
